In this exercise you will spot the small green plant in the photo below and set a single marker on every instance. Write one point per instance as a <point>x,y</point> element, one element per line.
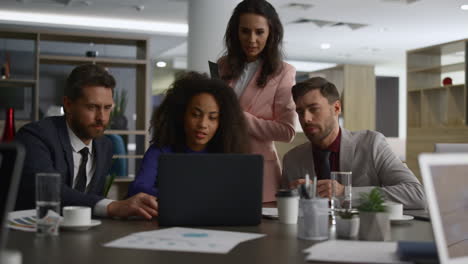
<point>109,180</point>
<point>347,214</point>
<point>372,202</point>
<point>120,103</point>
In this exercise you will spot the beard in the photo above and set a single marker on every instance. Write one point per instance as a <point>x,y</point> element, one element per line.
<point>317,138</point>
<point>86,132</point>
<point>328,128</point>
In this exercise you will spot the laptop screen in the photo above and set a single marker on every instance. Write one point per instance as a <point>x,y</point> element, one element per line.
<point>450,183</point>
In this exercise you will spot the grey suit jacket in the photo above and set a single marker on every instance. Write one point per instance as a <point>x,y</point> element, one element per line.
<point>48,149</point>
<point>369,157</point>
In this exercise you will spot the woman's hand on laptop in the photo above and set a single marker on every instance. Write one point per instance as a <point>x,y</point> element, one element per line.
<point>141,204</point>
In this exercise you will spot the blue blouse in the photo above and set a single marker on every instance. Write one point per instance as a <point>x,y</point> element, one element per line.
<point>146,178</point>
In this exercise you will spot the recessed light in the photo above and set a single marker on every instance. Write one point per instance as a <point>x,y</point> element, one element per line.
<point>464,7</point>
<point>161,64</point>
<point>325,45</point>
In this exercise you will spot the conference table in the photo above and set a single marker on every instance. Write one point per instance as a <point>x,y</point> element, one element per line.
<point>280,245</point>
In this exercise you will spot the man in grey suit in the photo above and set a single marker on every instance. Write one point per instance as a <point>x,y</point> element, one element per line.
<point>74,146</point>
<point>331,148</point>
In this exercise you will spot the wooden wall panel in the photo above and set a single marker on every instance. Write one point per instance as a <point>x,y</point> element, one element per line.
<point>421,140</point>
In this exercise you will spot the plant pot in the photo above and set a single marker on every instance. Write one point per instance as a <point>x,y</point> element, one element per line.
<point>374,226</point>
<point>347,228</point>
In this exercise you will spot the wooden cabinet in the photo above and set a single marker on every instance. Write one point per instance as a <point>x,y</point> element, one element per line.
<point>437,113</point>
<point>356,84</point>
<point>42,60</point>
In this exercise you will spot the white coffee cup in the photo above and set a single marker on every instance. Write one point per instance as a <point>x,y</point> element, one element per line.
<point>76,215</point>
<point>394,210</point>
<point>288,206</point>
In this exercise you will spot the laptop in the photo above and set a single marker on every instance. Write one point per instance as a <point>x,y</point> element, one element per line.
<point>11,166</point>
<point>439,148</point>
<point>450,147</point>
<point>445,179</point>
<point>210,189</point>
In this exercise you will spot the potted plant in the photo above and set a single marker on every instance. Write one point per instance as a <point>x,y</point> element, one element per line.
<point>374,220</point>
<point>118,119</point>
<point>347,224</point>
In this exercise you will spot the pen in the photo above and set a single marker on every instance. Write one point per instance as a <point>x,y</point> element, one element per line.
<point>303,192</point>
<point>314,187</point>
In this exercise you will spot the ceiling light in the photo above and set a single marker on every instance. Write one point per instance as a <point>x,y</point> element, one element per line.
<point>325,46</point>
<point>309,66</point>
<point>464,7</point>
<point>92,22</point>
<point>161,64</point>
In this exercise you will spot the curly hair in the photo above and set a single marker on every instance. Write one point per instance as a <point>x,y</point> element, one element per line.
<point>167,122</point>
<point>271,55</point>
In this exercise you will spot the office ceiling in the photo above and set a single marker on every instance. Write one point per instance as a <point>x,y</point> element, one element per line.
<point>357,31</point>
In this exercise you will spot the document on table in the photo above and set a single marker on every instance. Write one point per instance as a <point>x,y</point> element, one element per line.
<point>24,220</point>
<point>350,251</point>
<point>184,239</point>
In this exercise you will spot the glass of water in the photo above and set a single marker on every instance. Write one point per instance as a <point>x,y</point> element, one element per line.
<point>341,197</point>
<point>48,203</point>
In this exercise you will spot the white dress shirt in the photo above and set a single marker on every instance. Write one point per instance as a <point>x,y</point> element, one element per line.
<point>100,209</point>
<point>244,79</point>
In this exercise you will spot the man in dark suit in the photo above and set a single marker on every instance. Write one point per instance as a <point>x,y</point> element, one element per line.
<point>74,146</point>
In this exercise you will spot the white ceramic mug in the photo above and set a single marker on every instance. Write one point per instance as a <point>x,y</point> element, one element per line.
<point>394,210</point>
<point>76,215</point>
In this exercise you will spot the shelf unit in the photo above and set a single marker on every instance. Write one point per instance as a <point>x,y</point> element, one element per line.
<point>356,84</point>
<point>52,54</point>
<point>436,113</point>
<point>16,83</point>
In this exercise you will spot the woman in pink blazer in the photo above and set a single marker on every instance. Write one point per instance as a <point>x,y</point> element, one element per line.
<point>252,65</point>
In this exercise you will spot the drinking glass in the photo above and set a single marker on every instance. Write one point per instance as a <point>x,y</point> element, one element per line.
<point>342,200</point>
<point>48,203</point>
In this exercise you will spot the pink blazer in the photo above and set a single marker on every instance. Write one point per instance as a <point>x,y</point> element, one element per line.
<point>270,115</point>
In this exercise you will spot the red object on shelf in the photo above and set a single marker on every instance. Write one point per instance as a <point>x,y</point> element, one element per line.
<point>447,81</point>
<point>9,130</point>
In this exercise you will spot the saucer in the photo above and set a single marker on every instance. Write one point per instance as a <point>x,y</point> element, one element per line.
<point>80,227</point>
<point>403,219</point>
<point>270,213</point>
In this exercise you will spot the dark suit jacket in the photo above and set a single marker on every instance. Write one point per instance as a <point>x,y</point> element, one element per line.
<point>48,149</point>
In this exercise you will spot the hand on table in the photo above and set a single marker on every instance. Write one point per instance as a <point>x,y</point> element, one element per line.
<point>141,204</point>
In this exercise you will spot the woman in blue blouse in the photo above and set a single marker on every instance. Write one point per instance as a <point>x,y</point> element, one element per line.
<point>198,115</point>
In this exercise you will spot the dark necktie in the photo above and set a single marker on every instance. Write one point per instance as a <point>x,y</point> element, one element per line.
<point>323,156</point>
<point>81,176</point>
